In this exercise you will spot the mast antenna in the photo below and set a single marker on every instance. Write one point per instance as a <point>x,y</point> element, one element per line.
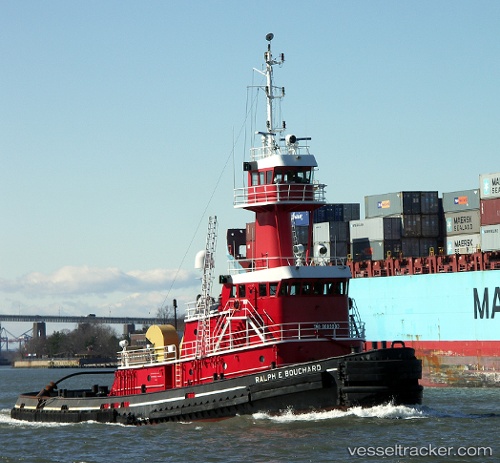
<point>272,93</point>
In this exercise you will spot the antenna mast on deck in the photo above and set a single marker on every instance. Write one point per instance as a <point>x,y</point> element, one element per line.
<point>272,93</point>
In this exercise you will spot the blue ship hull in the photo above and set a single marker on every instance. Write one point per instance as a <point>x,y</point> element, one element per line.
<point>452,320</point>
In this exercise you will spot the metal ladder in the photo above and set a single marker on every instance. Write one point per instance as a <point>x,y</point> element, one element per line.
<point>204,302</point>
<point>178,375</point>
<point>297,252</point>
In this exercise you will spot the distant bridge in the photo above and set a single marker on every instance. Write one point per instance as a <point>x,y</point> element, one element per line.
<point>83,319</point>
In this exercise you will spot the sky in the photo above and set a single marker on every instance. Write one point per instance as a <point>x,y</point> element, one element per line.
<point>123,127</point>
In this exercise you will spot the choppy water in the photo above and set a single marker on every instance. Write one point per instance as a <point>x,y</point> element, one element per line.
<point>451,421</point>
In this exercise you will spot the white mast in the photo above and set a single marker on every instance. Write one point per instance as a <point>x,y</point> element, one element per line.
<point>268,136</point>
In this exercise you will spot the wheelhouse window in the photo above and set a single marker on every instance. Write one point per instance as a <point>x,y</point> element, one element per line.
<point>273,289</point>
<point>269,174</point>
<point>293,176</point>
<point>294,289</point>
<point>306,288</point>
<point>232,291</point>
<point>283,288</point>
<point>303,176</point>
<point>278,177</point>
<point>313,288</point>
<point>241,291</point>
<point>255,178</point>
<point>262,289</point>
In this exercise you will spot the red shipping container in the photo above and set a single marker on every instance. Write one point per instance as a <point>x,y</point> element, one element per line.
<point>490,211</point>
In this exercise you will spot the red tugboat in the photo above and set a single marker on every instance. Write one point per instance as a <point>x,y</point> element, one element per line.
<point>283,334</point>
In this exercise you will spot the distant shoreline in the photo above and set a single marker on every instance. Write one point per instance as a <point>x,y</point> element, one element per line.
<point>65,363</point>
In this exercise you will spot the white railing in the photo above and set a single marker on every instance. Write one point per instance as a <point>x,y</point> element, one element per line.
<point>147,356</point>
<point>262,152</point>
<point>251,336</point>
<point>250,332</point>
<point>261,263</point>
<point>280,193</point>
<point>194,310</point>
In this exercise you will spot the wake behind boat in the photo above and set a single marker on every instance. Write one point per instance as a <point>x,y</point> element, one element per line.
<point>283,333</point>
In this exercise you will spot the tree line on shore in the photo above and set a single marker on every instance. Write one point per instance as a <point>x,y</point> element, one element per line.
<point>87,340</point>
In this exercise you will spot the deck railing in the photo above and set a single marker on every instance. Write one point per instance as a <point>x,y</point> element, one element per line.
<point>242,327</point>
<point>238,332</point>
<point>248,335</point>
<point>280,193</point>
<point>147,356</point>
<point>236,266</point>
<point>262,152</point>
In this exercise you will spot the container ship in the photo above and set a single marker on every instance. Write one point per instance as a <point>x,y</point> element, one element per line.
<point>283,333</point>
<point>425,271</point>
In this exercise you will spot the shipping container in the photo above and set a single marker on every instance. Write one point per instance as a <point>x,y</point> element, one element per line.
<point>365,249</point>
<point>393,248</point>
<point>392,228</point>
<point>331,231</point>
<point>342,212</point>
<point>428,246</point>
<point>464,200</point>
<point>405,202</point>
<point>367,228</point>
<point>430,225</point>
<point>489,185</point>
<point>463,244</point>
<point>383,205</point>
<point>490,237</point>
<point>376,229</point>
<point>302,233</point>
<point>300,218</point>
<point>236,242</point>
<point>410,247</point>
<point>412,202</point>
<point>429,202</point>
<point>411,226</point>
<point>490,211</point>
<point>459,223</point>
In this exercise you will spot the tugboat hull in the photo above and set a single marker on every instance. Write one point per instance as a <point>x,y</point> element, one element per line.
<point>364,379</point>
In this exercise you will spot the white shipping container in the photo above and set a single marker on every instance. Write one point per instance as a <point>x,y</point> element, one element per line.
<point>330,231</point>
<point>376,229</point>
<point>321,232</point>
<point>489,185</point>
<point>463,244</point>
<point>372,229</point>
<point>490,238</point>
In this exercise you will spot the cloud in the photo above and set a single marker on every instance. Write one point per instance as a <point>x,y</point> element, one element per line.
<point>79,281</point>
